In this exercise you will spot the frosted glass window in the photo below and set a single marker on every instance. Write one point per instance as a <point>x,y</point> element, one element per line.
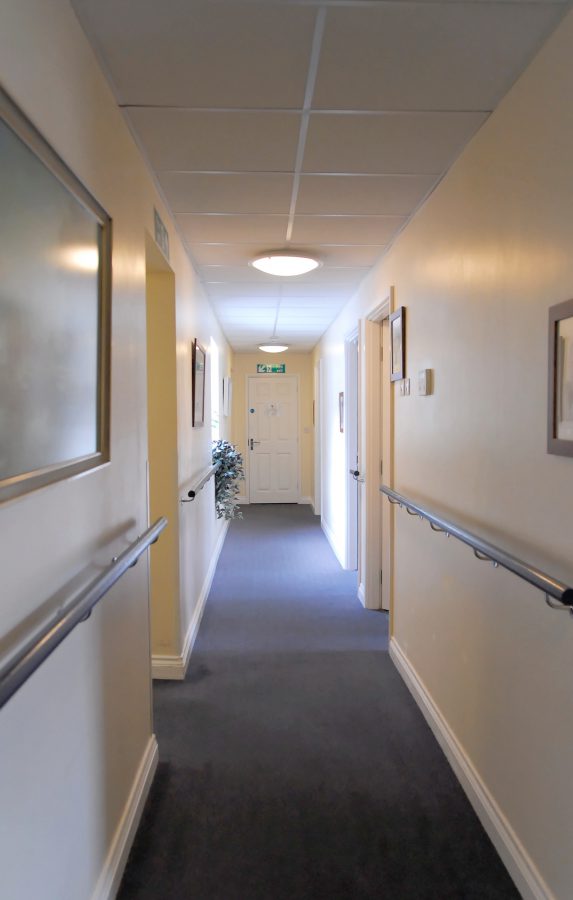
<point>51,276</point>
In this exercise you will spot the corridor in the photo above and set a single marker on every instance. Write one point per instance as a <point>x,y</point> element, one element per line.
<point>293,761</point>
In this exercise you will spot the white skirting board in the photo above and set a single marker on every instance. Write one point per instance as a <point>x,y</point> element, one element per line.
<point>243,499</point>
<point>520,866</point>
<point>331,540</point>
<point>112,872</point>
<point>173,667</point>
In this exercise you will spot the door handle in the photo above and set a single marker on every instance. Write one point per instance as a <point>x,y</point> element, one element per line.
<point>253,442</point>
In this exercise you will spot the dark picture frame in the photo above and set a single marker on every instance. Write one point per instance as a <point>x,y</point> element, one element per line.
<point>398,344</point>
<point>56,312</point>
<point>560,380</point>
<point>198,365</point>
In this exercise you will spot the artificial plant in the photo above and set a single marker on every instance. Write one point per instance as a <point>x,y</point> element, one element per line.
<point>227,476</point>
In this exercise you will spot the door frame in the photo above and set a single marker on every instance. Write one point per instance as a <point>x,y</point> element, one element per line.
<point>166,563</point>
<point>352,445</point>
<point>317,446</point>
<point>375,590</point>
<point>298,432</point>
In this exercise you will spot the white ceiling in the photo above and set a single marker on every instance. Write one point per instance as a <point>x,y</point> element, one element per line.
<point>318,126</point>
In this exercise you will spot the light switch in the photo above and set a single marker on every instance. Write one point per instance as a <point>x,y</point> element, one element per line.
<point>424,382</point>
<point>407,387</point>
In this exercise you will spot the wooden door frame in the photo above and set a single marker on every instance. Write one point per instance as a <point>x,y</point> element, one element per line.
<point>377,435</point>
<point>318,440</point>
<point>298,431</point>
<point>351,390</point>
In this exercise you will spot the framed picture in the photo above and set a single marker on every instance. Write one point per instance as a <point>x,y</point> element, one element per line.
<point>398,344</point>
<point>560,387</point>
<point>55,259</point>
<point>341,409</point>
<point>227,395</point>
<point>198,383</point>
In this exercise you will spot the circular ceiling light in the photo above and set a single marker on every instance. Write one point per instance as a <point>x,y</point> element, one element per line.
<point>284,265</point>
<point>273,347</point>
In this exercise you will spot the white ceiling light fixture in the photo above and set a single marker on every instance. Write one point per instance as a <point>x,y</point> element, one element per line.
<point>284,264</point>
<point>273,347</point>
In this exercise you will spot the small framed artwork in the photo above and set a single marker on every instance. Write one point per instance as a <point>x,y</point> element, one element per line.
<point>398,344</point>
<point>560,386</point>
<point>341,410</point>
<point>198,383</point>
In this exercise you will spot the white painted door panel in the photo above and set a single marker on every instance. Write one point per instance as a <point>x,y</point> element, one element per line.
<point>273,439</point>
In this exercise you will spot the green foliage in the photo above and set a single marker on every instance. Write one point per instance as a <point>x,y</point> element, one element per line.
<point>227,476</point>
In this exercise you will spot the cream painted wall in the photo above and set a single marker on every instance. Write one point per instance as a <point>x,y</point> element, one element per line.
<point>477,269</point>
<point>162,458</point>
<point>300,364</point>
<point>199,528</point>
<point>72,739</point>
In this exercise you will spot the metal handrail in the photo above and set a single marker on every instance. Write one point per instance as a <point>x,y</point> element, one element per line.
<point>200,482</point>
<point>17,667</point>
<point>485,551</point>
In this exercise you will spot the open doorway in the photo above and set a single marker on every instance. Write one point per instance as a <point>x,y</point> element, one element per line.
<point>352,473</point>
<point>376,434</point>
<point>162,455</point>
<point>317,449</point>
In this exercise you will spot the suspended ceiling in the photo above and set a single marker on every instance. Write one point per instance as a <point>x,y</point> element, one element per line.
<point>298,124</point>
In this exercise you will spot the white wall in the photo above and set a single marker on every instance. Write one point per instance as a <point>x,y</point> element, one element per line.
<point>477,270</point>
<point>200,530</point>
<point>72,739</point>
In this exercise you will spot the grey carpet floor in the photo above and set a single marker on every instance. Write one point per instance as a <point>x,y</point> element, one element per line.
<point>293,762</point>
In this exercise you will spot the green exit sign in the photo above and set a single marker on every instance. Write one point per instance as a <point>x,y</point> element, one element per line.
<point>271,368</point>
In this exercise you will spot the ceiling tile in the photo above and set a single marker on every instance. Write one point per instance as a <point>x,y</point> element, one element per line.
<point>346,255</point>
<point>246,275</point>
<point>257,193</point>
<point>197,228</point>
<point>186,141</point>
<point>330,254</point>
<point>303,321</point>
<point>252,292</point>
<point>388,144</point>
<point>224,254</point>
<point>241,276</point>
<point>360,195</point>
<point>346,229</point>
<point>437,56</point>
<point>314,291</point>
<point>198,53</point>
<point>317,305</point>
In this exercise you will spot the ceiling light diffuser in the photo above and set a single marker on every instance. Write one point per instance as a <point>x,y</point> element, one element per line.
<point>273,348</point>
<point>285,265</point>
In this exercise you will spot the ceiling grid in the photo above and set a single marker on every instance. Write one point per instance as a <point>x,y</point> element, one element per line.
<point>311,125</point>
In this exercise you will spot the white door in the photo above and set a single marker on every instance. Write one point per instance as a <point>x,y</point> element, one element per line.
<point>273,439</point>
